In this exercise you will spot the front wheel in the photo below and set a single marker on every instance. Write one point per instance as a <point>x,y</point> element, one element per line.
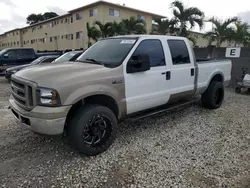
<point>213,97</point>
<point>92,129</point>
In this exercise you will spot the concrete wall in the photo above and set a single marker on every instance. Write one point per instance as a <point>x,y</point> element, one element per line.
<point>237,63</point>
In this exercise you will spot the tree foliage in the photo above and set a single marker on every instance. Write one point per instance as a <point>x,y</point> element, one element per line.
<point>35,18</point>
<point>187,18</point>
<point>222,30</point>
<point>165,26</point>
<point>93,33</point>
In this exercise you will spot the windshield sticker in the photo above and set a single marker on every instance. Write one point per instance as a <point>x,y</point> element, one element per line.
<point>128,42</point>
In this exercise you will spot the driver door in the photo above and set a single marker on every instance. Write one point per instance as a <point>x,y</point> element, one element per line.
<point>147,89</point>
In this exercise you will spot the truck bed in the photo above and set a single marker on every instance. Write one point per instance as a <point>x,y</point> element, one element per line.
<point>207,69</point>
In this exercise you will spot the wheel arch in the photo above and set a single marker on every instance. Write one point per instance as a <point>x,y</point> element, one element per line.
<point>99,99</point>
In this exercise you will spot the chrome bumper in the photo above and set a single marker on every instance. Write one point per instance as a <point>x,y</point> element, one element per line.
<point>41,120</point>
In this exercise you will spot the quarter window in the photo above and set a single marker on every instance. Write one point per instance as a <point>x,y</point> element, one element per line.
<point>179,52</point>
<point>154,49</point>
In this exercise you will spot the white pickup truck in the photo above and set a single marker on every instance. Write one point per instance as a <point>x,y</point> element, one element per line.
<point>112,80</point>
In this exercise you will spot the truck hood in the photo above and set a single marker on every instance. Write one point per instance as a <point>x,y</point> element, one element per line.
<point>53,75</point>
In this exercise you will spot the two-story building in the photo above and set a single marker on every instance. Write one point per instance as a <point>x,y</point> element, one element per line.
<point>69,31</point>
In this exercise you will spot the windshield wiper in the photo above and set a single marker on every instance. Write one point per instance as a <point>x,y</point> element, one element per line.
<point>89,60</point>
<point>94,61</point>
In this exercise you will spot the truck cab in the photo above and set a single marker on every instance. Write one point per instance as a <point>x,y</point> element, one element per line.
<point>16,56</point>
<point>114,79</point>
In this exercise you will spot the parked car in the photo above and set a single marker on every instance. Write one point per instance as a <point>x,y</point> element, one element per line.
<point>38,61</point>
<point>10,57</point>
<point>116,78</point>
<point>68,56</point>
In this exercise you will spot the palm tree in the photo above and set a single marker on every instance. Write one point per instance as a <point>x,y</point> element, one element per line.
<point>241,33</point>
<point>93,33</point>
<point>222,30</point>
<point>106,29</point>
<point>133,26</point>
<point>164,26</point>
<point>187,16</point>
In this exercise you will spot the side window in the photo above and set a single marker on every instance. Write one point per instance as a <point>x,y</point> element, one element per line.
<point>179,52</point>
<point>154,49</point>
<point>26,53</point>
<point>48,60</point>
<point>11,54</point>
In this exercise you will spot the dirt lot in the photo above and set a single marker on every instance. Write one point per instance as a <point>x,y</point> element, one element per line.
<point>193,147</point>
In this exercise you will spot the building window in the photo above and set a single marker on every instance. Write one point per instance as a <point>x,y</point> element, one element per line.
<point>71,37</point>
<point>141,17</point>
<point>23,42</point>
<point>78,16</point>
<point>114,12</point>
<point>61,21</point>
<point>51,25</point>
<point>50,39</point>
<point>71,19</point>
<point>79,35</point>
<point>16,33</point>
<point>13,34</point>
<point>93,12</point>
<point>66,20</point>
<point>57,22</point>
<point>17,42</point>
<point>62,37</point>
<point>14,43</point>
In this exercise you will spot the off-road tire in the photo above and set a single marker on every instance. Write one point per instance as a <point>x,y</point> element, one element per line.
<point>81,121</point>
<point>213,97</point>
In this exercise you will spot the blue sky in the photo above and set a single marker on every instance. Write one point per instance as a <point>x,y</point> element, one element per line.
<point>13,13</point>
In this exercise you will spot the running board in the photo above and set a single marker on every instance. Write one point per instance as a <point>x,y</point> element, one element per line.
<point>167,108</point>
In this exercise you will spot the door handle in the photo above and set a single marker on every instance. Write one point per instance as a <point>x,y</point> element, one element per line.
<point>192,72</point>
<point>168,75</point>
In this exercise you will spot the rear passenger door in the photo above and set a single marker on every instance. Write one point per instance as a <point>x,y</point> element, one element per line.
<point>182,69</point>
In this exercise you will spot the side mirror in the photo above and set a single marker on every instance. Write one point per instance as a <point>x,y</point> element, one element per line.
<point>138,63</point>
<point>5,55</point>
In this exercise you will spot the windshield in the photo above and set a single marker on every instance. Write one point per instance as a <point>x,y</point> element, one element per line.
<point>65,57</point>
<point>110,52</point>
<point>2,51</point>
<point>37,61</point>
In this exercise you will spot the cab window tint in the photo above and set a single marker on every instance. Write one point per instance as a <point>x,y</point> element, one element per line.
<point>48,60</point>
<point>11,54</point>
<point>153,48</point>
<point>179,52</point>
<point>26,53</point>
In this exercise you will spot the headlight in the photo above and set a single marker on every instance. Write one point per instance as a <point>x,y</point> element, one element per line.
<point>13,71</point>
<point>48,97</point>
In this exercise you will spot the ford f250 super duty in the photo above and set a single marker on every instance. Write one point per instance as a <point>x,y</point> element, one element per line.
<point>114,79</point>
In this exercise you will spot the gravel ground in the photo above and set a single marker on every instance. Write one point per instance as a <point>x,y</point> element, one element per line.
<point>192,147</point>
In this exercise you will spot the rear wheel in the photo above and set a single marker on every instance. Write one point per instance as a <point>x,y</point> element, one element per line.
<point>93,129</point>
<point>213,97</point>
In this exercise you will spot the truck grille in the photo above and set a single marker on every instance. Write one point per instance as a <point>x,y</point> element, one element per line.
<point>23,93</point>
